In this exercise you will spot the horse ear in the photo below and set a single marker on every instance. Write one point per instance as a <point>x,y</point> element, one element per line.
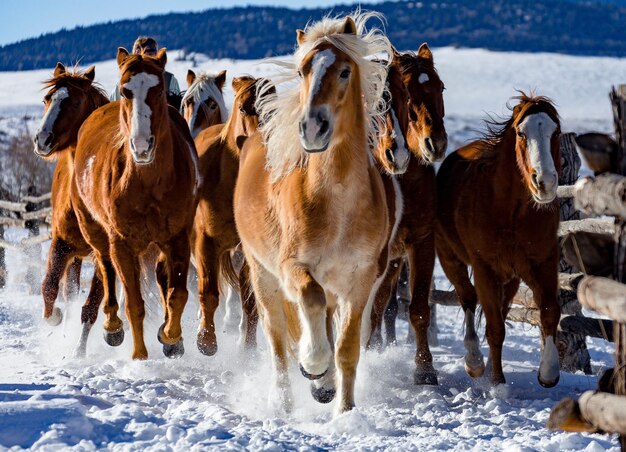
<point>424,52</point>
<point>395,55</point>
<point>122,54</point>
<point>59,69</point>
<point>161,56</point>
<point>220,79</point>
<point>237,84</point>
<point>300,36</point>
<point>191,77</point>
<point>90,73</point>
<point>349,27</point>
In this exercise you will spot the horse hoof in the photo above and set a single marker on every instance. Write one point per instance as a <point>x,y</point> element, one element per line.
<point>206,344</point>
<point>548,384</point>
<point>114,338</point>
<point>55,318</point>
<point>425,378</point>
<point>311,376</point>
<point>475,371</point>
<point>174,350</point>
<point>323,395</point>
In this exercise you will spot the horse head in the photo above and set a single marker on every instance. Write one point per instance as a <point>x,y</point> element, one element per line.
<point>143,102</point>
<point>244,117</point>
<point>71,97</point>
<point>203,103</point>
<point>427,135</point>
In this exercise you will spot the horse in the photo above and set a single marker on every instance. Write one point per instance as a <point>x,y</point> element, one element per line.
<point>498,212</point>
<point>214,234</point>
<point>70,99</point>
<point>203,103</point>
<point>427,141</point>
<point>136,182</point>
<point>310,205</point>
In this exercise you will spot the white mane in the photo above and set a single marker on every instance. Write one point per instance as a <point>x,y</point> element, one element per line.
<point>279,114</point>
<point>205,83</point>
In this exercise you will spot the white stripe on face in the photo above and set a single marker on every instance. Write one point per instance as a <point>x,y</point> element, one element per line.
<point>423,78</point>
<point>320,64</point>
<point>538,129</point>
<point>401,154</point>
<point>140,126</point>
<point>48,120</point>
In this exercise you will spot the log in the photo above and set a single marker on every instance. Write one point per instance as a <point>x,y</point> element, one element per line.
<point>594,412</point>
<point>14,222</point>
<point>603,195</point>
<point>13,206</point>
<point>8,245</point>
<point>34,240</point>
<point>37,199</point>
<point>593,225</point>
<point>587,326</point>
<point>565,191</point>
<point>37,214</point>
<point>605,296</point>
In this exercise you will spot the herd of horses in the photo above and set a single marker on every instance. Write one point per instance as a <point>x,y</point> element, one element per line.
<point>307,199</point>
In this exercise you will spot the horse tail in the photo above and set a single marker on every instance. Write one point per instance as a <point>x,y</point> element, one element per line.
<point>294,331</point>
<point>227,270</point>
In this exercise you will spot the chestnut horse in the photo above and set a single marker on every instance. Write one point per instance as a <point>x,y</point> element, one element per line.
<point>427,140</point>
<point>203,103</point>
<point>136,182</point>
<point>498,212</point>
<point>215,234</point>
<point>310,205</point>
<point>71,98</point>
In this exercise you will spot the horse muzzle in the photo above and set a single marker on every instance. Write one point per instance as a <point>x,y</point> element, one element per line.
<point>315,130</point>
<point>544,187</point>
<point>434,149</point>
<point>142,150</point>
<point>397,161</point>
<point>43,144</point>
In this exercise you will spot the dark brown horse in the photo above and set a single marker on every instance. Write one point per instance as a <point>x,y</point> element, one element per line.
<point>498,212</point>
<point>135,184</point>
<point>415,239</point>
<point>215,234</point>
<point>71,98</point>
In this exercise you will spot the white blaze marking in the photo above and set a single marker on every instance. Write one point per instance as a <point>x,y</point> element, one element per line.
<point>320,64</point>
<point>140,127</point>
<point>401,154</point>
<point>399,208</point>
<point>538,129</point>
<point>47,122</point>
<point>423,78</point>
<point>549,366</point>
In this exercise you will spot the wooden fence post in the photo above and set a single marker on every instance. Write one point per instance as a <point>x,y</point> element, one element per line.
<point>573,352</point>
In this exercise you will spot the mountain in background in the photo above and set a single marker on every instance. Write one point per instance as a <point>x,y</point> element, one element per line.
<point>564,26</point>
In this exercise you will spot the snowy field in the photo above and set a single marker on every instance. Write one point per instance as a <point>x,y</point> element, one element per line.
<point>50,400</point>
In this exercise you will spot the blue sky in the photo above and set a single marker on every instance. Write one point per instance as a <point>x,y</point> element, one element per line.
<point>23,19</point>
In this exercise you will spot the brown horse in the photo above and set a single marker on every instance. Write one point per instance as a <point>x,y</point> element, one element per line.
<point>498,212</point>
<point>427,141</point>
<point>203,103</point>
<point>215,234</point>
<point>310,206</point>
<point>136,181</point>
<point>71,98</point>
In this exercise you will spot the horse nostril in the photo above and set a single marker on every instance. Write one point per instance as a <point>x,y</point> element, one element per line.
<point>323,126</point>
<point>429,145</point>
<point>49,139</point>
<point>302,127</point>
<point>151,142</point>
<point>389,155</point>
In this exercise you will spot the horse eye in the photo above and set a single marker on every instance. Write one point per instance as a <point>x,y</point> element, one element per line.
<point>345,74</point>
<point>242,110</point>
<point>212,105</point>
<point>412,115</point>
<point>76,103</point>
<point>521,134</point>
<point>299,73</point>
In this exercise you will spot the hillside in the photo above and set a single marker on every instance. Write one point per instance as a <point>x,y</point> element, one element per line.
<point>572,27</point>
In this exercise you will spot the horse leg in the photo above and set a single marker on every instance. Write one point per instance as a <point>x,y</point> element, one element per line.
<point>71,288</point>
<point>206,257</point>
<point>544,284</point>
<point>250,316</point>
<point>89,312</point>
<point>113,327</point>
<point>456,272</point>
<point>421,258</point>
<point>160,271</point>
<point>391,312</point>
<point>381,301</point>
<point>491,294</point>
<point>177,252</point>
<point>275,325</point>
<point>231,304</point>
<point>323,390</point>
<point>58,257</point>
<point>128,269</point>
<point>314,350</point>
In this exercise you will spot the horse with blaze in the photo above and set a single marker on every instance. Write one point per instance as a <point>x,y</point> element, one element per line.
<point>203,105</point>
<point>310,205</point>
<point>136,183</point>
<point>499,213</point>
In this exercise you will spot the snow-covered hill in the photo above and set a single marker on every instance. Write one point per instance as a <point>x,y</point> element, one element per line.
<point>50,400</point>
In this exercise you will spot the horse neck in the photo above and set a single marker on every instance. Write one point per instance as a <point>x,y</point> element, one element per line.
<point>508,183</point>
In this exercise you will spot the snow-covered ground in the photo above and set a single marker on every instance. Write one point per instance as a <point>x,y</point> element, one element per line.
<point>49,399</point>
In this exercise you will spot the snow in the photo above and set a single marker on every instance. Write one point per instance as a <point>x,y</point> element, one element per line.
<point>50,400</point>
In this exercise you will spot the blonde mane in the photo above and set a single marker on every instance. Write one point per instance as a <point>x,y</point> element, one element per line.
<point>206,79</point>
<point>279,114</point>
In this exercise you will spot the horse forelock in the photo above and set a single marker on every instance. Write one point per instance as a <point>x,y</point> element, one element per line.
<point>279,114</point>
<point>203,88</point>
<point>76,79</point>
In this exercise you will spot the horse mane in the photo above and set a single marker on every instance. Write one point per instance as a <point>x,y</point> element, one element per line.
<point>76,79</point>
<point>279,113</point>
<point>528,104</point>
<point>207,79</point>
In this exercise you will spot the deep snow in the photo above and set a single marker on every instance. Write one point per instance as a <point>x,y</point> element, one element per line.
<point>49,399</point>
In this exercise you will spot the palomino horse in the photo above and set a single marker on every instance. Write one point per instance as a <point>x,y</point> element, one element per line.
<point>71,98</point>
<point>136,181</point>
<point>215,234</point>
<point>310,206</point>
<point>498,212</point>
<point>203,103</point>
<point>427,140</point>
